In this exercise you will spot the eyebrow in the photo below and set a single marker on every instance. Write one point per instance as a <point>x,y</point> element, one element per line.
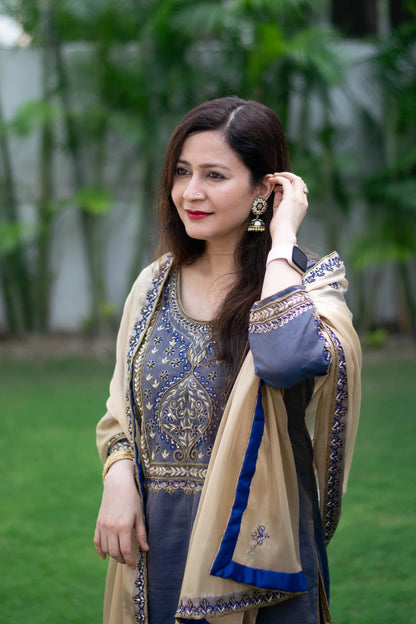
<point>205,165</point>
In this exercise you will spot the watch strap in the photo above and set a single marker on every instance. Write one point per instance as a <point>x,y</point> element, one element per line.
<point>292,254</point>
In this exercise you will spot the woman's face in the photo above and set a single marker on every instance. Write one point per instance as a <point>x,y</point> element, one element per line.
<point>212,190</point>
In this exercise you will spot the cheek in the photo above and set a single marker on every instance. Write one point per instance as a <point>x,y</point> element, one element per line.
<point>175,195</point>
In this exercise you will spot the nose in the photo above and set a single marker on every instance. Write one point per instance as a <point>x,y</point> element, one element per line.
<point>192,190</point>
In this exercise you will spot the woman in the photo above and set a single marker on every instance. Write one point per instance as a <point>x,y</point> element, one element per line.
<point>217,501</point>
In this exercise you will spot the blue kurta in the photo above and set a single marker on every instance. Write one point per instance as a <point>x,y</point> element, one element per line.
<point>180,393</point>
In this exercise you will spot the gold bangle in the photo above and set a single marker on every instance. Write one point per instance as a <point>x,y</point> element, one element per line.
<point>115,457</point>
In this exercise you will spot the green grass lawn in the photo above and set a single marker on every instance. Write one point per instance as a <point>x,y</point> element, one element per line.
<point>50,490</point>
<point>373,554</point>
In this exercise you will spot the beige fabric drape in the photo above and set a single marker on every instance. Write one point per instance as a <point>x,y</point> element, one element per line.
<point>333,414</point>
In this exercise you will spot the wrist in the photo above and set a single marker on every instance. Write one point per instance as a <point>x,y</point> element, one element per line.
<point>291,254</point>
<point>123,456</point>
<point>284,238</point>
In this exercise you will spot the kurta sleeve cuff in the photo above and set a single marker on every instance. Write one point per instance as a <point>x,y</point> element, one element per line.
<point>119,442</point>
<point>285,340</point>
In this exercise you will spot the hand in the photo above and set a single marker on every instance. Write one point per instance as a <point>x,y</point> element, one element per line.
<point>120,522</point>
<point>289,207</point>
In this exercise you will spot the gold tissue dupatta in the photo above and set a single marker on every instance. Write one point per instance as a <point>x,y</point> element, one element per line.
<point>252,462</point>
<point>244,548</point>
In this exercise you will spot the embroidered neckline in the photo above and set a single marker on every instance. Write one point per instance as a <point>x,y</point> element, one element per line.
<point>176,307</point>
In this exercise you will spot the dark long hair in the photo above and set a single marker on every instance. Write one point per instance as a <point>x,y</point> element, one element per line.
<point>256,135</point>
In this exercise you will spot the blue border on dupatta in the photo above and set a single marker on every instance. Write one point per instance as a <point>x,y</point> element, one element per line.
<point>223,565</point>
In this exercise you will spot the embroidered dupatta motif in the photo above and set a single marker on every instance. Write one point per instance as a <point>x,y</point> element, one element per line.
<point>229,574</point>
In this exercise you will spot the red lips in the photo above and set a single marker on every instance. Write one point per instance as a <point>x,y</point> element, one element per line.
<point>197,214</point>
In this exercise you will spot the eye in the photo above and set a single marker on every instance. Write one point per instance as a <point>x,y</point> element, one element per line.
<point>181,171</point>
<point>215,175</point>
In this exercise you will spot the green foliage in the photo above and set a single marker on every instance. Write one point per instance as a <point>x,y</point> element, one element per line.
<point>138,65</point>
<point>262,47</point>
<point>400,194</point>
<point>392,215</point>
<point>376,339</point>
<point>12,235</point>
<point>32,115</point>
<point>392,235</point>
<point>94,200</point>
<point>389,233</point>
<point>143,66</point>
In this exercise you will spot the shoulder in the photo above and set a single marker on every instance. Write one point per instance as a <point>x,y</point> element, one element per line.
<point>146,287</point>
<point>142,299</point>
<point>151,274</point>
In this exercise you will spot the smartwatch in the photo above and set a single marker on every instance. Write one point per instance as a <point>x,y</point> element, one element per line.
<point>292,254</point>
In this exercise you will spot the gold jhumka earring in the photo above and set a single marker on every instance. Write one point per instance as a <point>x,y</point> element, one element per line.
<point>258,207</point>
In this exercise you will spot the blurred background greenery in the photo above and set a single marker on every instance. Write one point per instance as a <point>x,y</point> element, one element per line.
<point>115,77</point>
<point>80,156</point>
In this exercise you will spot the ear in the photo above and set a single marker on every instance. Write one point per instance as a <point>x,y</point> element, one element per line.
<point>266,186</point>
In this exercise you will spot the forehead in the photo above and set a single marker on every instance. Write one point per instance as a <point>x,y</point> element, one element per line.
<point>209,147</point>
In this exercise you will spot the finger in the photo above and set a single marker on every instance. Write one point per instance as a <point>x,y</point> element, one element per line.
<point>291,177</point>
<point>278,195</point>
<point>278,189</point>
<point>126,542</point>
<point>300,185</point>
<point>97,544</point>
<point>114,548</point>
<point>297,185</point>
<point>288,174</point>
<point>284,186</point>
<point>141,535</point>
<point>282,181</point>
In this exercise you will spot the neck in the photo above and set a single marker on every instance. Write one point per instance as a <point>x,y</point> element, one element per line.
<point>217,261</point>
<point>205,283</point>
